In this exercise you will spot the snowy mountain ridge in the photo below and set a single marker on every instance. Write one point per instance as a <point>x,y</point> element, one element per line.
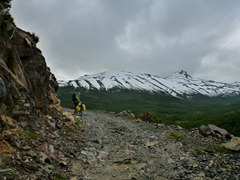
<point>179,84</point>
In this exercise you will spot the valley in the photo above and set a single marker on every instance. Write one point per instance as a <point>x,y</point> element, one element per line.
<point>188,113</point>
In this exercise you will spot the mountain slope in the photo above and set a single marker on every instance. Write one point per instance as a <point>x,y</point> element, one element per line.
<point>178,85</point>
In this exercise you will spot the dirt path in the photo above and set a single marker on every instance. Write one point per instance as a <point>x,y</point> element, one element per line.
<point>109,146</point>
<point>117,147</point>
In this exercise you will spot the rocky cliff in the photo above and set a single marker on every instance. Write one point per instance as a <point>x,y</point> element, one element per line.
<point>27,100</point>
<point>27,85</point>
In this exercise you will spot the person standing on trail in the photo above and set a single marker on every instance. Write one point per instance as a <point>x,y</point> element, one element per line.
<point>76,100</point>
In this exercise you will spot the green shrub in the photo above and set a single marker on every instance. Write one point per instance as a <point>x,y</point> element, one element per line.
<point>5,5</point>
<point>222,149</point>
<point>58,176</point>
<point>185,142</point>
<point>148,116</point>
<point>176,135</point>
<point>30,135</point>
<point>199,151</point>
<point>35,37</point>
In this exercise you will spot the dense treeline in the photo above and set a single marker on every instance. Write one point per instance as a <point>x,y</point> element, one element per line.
<point>223,112</point>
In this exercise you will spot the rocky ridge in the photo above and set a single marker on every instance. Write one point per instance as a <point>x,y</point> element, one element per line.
<point>27,92</point>
<point>27,85</point>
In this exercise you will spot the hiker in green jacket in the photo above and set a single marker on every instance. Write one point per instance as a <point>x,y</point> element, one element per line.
<point>76,100</point>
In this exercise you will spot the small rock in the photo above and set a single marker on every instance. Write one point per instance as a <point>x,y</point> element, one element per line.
<point>30,166</point>
<point>74,178</point>
<point>151,144</point>
<point>1,137</point>
<point>26,147</point>
<point>32,153</point>
<point>49,117</point>
<point>5,170</point>
<point>170,161</point>
<point>56,134</point>
<point>103,154</point>
<point>42,157</point>
<point>4,147</point>
<point>63,161</point>
<point>52,124</point>
<point>8,120</point>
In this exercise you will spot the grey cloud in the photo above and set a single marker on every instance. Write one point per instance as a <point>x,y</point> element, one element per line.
<point>152,36</point>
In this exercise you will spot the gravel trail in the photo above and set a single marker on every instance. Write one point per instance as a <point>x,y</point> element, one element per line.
<point>120,147</point>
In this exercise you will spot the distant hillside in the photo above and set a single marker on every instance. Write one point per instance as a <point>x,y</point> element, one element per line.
<point>188,113</point>
<point>179,99</point>
<point>180,84</point>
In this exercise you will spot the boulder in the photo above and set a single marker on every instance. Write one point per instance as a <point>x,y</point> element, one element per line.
<point>233,144</point>
<point>212,130</point>
<point>127,113</point>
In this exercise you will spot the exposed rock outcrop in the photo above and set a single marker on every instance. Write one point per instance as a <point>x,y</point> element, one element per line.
<point>27,85</point>
<point>215,131</point>
<point>27,99</point>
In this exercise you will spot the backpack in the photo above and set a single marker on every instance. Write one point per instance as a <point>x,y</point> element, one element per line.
<point>81,107</point>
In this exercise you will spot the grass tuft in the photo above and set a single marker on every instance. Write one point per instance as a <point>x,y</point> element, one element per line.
<point>176,135</point>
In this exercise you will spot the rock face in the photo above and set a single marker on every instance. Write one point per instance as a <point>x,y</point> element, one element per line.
<point>26,84</point>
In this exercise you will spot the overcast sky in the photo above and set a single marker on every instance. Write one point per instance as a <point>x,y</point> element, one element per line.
<point>159,37</point>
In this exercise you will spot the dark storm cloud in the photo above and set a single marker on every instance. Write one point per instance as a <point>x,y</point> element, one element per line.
<point>152,36</point>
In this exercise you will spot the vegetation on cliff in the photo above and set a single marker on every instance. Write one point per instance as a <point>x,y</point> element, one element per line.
<point>5,5</point>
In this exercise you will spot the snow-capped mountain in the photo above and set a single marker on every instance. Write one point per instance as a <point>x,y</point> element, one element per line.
<point>179,84</point>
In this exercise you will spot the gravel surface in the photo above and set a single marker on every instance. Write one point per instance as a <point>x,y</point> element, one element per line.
<point>117,147</point>
<point>108,146</point>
